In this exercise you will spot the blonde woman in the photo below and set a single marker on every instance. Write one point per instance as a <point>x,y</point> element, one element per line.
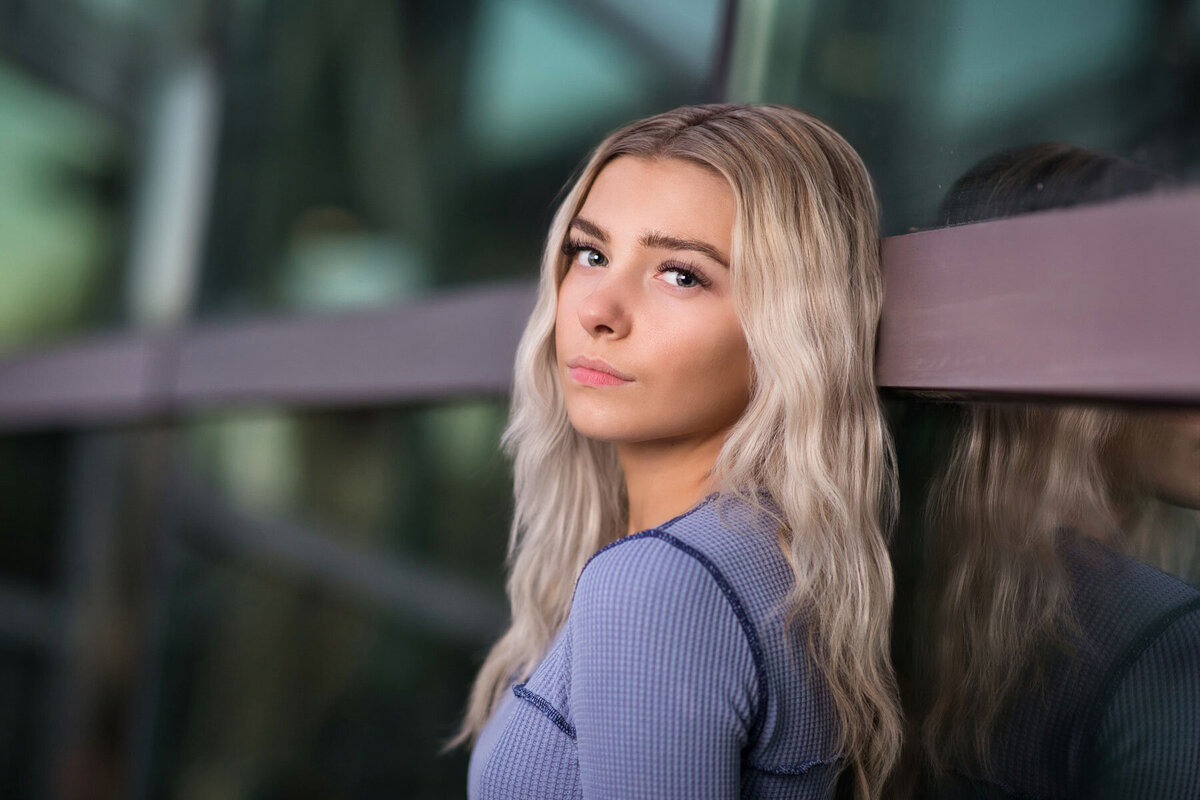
<point>699,583</point>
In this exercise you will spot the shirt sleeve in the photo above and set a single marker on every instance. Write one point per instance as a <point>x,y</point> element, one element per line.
<point>663,678</point>
<point>1148,744</point>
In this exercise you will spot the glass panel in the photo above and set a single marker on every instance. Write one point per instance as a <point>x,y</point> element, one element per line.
<point>63,173</point>
<point>276,687</point>
<point>33,483</point>
<point>925,92</point>
<point>298,659</point>
<point>1048,620</point>
<point>21,692</point>
<point>255,604</point>
<point>426,484</point>
<point>68,631</point>
<point>372,152</point>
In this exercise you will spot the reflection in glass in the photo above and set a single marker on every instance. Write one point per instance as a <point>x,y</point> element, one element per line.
<point>333,582</point>
<point>375,152</point>
<point>923,90</point>
<point>1059,661</point>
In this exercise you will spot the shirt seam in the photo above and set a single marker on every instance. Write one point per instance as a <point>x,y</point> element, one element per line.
<point>798,769</point>
<point>546,707</point>
<point>731,597</point>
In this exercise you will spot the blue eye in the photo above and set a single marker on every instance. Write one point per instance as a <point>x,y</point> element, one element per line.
<point>583,254</point>
<point>681,278</point>
<point>591,258</point>
<point>684,277</point>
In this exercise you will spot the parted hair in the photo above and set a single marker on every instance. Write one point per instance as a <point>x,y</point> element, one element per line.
<point>808,291</point>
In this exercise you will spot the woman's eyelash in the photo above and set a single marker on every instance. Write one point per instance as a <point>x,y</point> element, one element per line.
<point>572,246</point>
<point>695,273</point>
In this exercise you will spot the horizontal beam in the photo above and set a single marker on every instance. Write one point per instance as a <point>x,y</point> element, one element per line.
<point>1090,302</point>
<point>105,379</point>
<point>1094,301</point>
<point>456,344</point>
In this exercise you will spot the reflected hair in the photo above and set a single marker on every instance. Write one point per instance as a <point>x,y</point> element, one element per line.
<point>1020,482</point>
<point>807,290</point>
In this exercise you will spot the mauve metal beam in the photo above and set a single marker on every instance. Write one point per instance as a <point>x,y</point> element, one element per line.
<point>456,344</point>
<point>108,378</point>
<point>1099,301</point>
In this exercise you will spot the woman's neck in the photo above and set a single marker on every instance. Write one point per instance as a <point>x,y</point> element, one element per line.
<point>665,478</point>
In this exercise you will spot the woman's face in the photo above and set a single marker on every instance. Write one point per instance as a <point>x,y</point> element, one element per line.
<point>649,347</point>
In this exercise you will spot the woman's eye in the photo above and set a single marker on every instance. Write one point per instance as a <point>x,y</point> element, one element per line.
<point>583,254</point>
<point>681,278</point>
<point>587,257</point>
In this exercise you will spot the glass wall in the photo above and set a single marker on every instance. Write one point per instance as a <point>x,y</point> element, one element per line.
<point>331,580</point>
<point>64,173</point>
<point>925,92</point>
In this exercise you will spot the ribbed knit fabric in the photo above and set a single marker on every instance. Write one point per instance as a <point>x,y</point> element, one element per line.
<point>671,678</point>
<point>1120,717</point>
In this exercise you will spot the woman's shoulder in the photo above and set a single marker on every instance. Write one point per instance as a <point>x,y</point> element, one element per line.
<point>734,540</point>
<point>724,549</point>
<point>1120,601</point>
<point>703,595</point>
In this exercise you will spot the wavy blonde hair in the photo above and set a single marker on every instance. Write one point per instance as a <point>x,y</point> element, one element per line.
<point>808,291</point>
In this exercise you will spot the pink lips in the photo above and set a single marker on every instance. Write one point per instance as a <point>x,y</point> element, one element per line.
<point>594,372</point>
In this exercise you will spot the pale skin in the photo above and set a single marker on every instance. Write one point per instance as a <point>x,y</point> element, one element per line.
<point>647,295</point>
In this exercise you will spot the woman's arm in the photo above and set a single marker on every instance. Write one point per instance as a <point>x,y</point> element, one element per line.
<point>663,684</point>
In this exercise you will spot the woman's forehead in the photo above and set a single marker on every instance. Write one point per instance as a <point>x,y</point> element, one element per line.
<point>635,194</point>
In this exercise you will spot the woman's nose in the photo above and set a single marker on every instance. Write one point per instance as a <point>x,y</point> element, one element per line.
<point>605,310</point>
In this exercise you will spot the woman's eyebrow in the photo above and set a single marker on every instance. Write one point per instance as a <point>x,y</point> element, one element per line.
<point>666,242</point>
<point>590,228</point>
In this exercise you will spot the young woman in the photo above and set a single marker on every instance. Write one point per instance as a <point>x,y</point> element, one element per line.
<point>699,582</point>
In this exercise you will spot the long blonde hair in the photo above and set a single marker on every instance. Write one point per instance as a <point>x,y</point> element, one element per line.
<point>808,292</point>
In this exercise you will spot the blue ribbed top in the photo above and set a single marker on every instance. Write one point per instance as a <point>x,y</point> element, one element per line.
<point>671,678</point>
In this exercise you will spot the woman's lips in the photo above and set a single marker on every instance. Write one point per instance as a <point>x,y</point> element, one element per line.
<point>595,372</point>
<point>594,377</point>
